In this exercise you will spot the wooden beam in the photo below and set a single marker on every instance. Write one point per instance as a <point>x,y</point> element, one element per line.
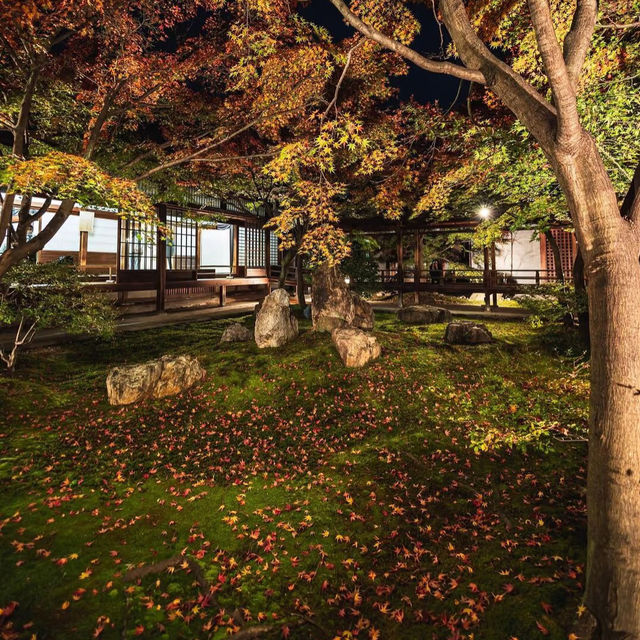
<point>418,256</point>
<point>494,273</point>
<point>400,261</point>
<point>84,249</point>
<point>161,261</point>
<point>486,279</point>
<point>267,252</point>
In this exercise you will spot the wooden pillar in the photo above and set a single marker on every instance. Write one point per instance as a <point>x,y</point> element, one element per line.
<point>418,264</point>
<point>236,249</point>
<point>82,253</point>
<point>161,261</point>
<point>418,257</point>
<point>198,241</point>
<point>400,260</point>
<point>267,253</point>
<point>223,294</point>
<point>486,278</point>
<point>494,273</point>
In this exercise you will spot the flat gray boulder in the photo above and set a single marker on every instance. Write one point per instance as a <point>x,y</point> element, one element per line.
<point>354,346</point>
<point>334,305</point>
<point>236,332</point>
<point>467,332</point>
<point>154,379</point>
<point>423,314</point>
<point>275,324</point>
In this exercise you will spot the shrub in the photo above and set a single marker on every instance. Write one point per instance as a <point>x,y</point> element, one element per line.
<point>54,295</point>
<point>553,303</point>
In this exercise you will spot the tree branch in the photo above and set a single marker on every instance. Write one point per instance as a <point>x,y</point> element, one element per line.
<point>618,25</point>
<point>209,147</point>
<point>268,154</point>
<point>523,99</point>
<point>101,118</point>
<point>12,256</point>
<point>343,75</point>
<point>578,40</point>
<point>630,208</point>
<point>568,129</point>
<point>435,66</point>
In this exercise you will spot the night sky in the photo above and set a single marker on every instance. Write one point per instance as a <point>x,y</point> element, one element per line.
<point>423,86</point>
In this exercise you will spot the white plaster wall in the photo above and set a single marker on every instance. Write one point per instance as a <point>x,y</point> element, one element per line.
<point>521,253</point>
<point>68,236</point>
<point>215,249</point>
<point>104,237</point>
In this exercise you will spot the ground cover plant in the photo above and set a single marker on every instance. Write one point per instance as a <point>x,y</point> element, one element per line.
<point>438,493</point>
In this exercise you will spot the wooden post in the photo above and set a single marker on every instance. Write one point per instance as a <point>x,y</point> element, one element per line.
<point>82,253</point>
<point>223,294</point>
<point>236,249</point>
<point>418,265</point>
<point>267,253</point>
<point>486,278</point>
<point>198,241</point>
<point>494,273</point>
<point>400,261</point>
<point>161,261</point>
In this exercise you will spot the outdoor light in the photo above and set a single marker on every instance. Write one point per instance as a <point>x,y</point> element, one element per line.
<point>484,212</point>
<point>347,280</point>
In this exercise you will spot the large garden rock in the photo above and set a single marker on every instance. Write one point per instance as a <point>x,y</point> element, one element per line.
<point>354,346</point>
<point>236,332</point>
<point>423,314</point>
<point>467,332</point>
<point>275,324</point>
<point>154,379</point>
<point>334,305</point>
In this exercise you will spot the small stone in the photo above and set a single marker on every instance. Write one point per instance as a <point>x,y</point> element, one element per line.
<point>236,332</point>
<point>467,332</point>
<point>354,346</point>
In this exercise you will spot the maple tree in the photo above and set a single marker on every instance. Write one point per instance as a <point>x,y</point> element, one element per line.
<point>609,245</point>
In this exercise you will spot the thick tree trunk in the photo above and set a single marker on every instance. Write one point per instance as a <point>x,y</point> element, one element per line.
<point>613,488</point>
<point>610,249</point>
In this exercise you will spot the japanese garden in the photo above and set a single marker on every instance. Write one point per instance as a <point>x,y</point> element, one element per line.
<point>319,319</point>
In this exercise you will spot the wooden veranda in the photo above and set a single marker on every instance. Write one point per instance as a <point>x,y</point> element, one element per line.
<point>488,281</point>
<point>175,268</point>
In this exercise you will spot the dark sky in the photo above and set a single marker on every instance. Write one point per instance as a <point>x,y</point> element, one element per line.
<point>423,86</point>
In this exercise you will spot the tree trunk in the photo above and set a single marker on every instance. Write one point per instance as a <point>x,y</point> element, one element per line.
<point>300,281</point>
<point>580,288</point>
<point>610,249</point>
<point>287,259</point>
<point>613,495</point>
<point>14,255</point>
<point>557,258</point>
